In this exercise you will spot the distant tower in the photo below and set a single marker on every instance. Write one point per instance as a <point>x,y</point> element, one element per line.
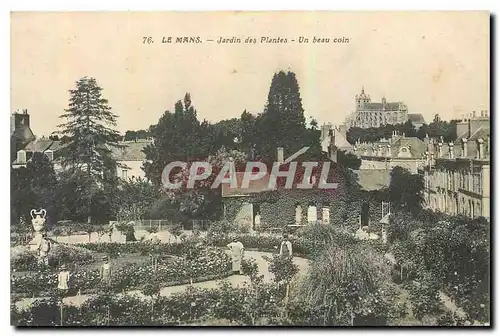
<point>384,101</point>
<point>362,99</point>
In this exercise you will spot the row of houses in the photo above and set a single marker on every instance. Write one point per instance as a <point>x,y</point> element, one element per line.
<point>456,175</point>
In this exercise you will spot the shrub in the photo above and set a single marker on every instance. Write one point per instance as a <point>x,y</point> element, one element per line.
<point>346,285</point>
<point>283,268</point>
<point>424,295</point>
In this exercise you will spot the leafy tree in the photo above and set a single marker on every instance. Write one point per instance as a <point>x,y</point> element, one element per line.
<point>76,195</point>
<point>89,137</point>
<point>136,197</point>
<point>436,129</point>
<point>406,190</point>
<point>178,136</point>
<point>22,196</point>
<point>34,187</point>
<point>202,201</point>
<point>43,185</point>
<point>136,135</point>
<point>248,133</point>
<point>348,160</point>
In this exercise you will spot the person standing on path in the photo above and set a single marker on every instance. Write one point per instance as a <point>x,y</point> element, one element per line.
<point>105,271</point>
<point>236,250</point>
<point>286,247</point>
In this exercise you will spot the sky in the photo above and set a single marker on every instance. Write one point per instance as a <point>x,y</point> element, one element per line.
<point>435,62</point>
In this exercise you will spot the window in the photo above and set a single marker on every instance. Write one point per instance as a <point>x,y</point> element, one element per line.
<point>298,214</point>
<point>476,183</point>
<point>312,215</point>
<point>124,174</point>
<point>21,156</point>
<point>325,214</point>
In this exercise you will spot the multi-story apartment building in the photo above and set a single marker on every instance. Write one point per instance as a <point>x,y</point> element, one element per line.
<point>457,175</point>
<point>375,114</point>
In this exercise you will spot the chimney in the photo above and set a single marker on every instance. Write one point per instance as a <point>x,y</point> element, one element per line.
<point>451,146</point>
<point>389,153</point>
<point>464,128</point>
<point>464,147</point>
<point>480,149</point>
<point>281,155</point>
<point>440,149</point>
<point>379,151</point>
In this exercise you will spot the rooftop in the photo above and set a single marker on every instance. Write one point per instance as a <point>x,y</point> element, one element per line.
<point>132,150</point>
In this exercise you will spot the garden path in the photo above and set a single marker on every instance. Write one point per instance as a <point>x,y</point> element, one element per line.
<point>234,280</point>
<point>447,301</point>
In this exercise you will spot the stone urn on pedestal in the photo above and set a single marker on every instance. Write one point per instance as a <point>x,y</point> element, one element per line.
<point>38,222</point>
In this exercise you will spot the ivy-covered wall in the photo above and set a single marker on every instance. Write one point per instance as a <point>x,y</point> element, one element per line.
<point>277,208</point>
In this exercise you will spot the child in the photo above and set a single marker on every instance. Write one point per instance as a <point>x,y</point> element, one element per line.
<point>63,279</point>
<point>105,271</point>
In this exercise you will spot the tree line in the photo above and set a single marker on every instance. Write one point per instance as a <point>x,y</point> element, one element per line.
<point>87,189</point>
<point>437,129</point>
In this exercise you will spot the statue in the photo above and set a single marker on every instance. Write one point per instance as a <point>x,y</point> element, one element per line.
<point>38,222</point>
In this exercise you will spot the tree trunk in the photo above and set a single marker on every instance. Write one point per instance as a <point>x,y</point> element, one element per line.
<point>62,316</point>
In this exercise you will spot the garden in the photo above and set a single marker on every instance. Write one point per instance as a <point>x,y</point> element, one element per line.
<point>349,283</point>
<point>133,264</point>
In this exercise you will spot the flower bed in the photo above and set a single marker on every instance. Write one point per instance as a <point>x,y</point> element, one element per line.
<point>209,263</point>
<point>23,259</point>
<point>240,305</point>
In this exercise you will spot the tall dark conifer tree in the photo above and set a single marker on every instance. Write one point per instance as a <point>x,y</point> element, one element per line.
<point>88,135</point>
<point>282,124</point>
